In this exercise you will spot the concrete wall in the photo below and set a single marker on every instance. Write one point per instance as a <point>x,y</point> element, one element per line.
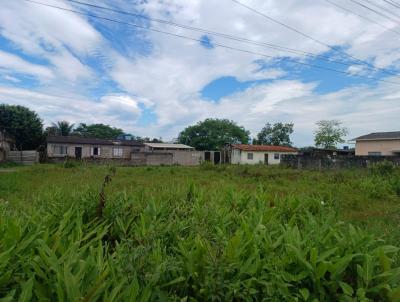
<point>152,159</point>
<point>182,157</point>
<point>24,157</point>
<point>335,162</point>
<point>105,151</point>
<point>241,157</point>
<point>386,147</point>
<point>187,158</point>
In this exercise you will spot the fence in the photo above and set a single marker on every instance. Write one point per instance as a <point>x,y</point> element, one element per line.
<point>334,162</point>
<point>23,157</point>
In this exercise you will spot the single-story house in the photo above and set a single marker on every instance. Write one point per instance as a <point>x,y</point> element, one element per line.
<point>258,154</point>
<point>378,144</point>
<point>127,152</point>
<point>6,145</point>
<point>59,147</point>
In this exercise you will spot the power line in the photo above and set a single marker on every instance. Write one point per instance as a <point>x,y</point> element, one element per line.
<point>383,9</point>
<point>334,48</point>
<point>362,17</point>
<point>392,3</point>
<point>219,34</point>
<point>374,10</point>
<point>202,41</point>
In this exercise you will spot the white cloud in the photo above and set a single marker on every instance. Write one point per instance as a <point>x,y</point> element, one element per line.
<point>56,37</point>
<point>75,108</point>
<point>11,78</point>
<point>168,79</point>
<point>13,63</point>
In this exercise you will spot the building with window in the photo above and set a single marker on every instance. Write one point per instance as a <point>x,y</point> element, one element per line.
<point>59,147</point>
<point>378,144</point>
<point>127,152</point>
<point>258,154</point>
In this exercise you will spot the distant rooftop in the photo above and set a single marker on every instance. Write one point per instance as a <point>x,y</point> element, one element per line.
<point>380,136</point>
<point>90,141</point>
<point>168,146</point>
<point>265,148</point>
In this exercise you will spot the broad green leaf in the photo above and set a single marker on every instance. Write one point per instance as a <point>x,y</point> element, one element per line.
<point>26,290</point>
<point>347,289</point>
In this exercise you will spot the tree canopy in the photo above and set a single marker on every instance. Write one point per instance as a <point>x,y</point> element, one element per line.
<point>98,131</point>
<point>212,134</point>
<point>23,124</point>
<point>62,128</point>
<point>277,134</point>
<point>329,133</point>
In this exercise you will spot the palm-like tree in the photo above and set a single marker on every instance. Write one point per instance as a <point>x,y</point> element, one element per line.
<point>63,128</point>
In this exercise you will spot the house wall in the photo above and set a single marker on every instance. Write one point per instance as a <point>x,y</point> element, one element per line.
<point>240,157</point>
<point>4,150</point>
<point>106,151</point>
<point>181,157</point>
<point>386,147</point>
<point>187,158</point>
<point>152,159</point>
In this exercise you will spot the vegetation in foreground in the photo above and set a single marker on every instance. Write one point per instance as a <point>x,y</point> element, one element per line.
<point>218,233</point>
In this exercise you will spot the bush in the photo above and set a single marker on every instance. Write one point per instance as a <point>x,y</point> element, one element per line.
<point>375,187</point>
<point>395,182</point>
<point>384,168</point>
<point>71,163</point>
<point>9,164</point>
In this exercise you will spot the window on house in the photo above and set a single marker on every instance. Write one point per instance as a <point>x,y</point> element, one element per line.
<point>95,151</point>
<point>250,156</point>
<point>117,152</point>
<point>276,156</point>
<point>60,150</point>
<point>374,153</point>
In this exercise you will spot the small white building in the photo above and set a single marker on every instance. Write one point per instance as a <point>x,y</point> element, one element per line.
<point>259,154</point>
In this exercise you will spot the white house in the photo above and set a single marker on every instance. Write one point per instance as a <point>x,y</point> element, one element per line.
<point>259,154</point>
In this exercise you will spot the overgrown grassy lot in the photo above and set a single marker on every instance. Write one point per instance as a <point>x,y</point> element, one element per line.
<point>209,233</point>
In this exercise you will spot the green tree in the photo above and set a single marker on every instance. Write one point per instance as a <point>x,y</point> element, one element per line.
<point>329,133</point>
<point>62,128</point>
<point>23,124</point>
<point>277,134</point>
<point>98,131</point>
<point>212,134</point>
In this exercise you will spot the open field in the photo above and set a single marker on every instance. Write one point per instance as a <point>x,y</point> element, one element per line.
<point>222,233</point>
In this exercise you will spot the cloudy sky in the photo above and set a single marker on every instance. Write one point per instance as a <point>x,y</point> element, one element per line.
<point>79,68</point>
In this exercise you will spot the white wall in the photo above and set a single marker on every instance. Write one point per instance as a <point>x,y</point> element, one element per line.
<point>240,157</point>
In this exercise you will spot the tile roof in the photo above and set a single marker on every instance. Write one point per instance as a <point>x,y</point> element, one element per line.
<point>380,136</point>
<point>264,148</point>
<point>90,141</point>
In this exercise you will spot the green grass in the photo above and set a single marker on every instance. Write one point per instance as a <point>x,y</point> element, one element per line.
<point>209,233</point>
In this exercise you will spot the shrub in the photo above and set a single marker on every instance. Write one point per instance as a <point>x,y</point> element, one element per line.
<point>9,164</point>
<point>71,163</point>
<point>375,187</point>
<point>395,183</point>
<point>384,168</point>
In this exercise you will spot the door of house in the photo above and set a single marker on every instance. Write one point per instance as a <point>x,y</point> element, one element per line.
<point>78,152</point>
<point>266,158</point>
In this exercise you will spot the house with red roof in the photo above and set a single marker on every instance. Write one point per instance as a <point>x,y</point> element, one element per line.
<point>259,154</point>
